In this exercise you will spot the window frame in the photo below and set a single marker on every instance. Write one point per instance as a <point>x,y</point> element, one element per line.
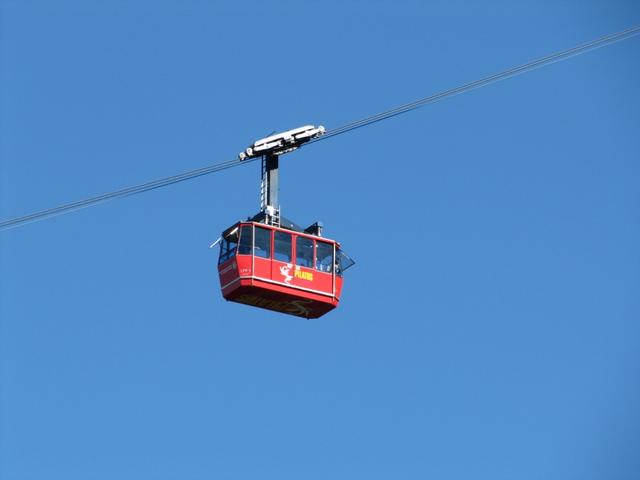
<point>339,266</point>
<point>291,236</point>
<point>331,247</point>
<point>313,251</point>
<point>243,228</point>
<point>269,243</point>
<point>227,253</point>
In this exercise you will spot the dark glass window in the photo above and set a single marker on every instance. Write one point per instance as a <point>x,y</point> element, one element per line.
<point>343,261</point>
<point>228,246</point>
<point>304,252</point>
<point>246,240</point>
<point>282,248</point>
<point>324,257</point>
<point>262,246</point>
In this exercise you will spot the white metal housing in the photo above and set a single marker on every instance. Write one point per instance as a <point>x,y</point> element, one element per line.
<point>282,142</point>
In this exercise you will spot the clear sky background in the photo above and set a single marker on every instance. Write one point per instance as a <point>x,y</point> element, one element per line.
<point>490,329</point>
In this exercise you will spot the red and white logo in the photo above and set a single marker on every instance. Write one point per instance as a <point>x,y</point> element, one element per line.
<point>284,270</point>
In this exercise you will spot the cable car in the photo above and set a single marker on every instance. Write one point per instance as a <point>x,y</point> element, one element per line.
<point>269,262</point>
<point>288,270</point>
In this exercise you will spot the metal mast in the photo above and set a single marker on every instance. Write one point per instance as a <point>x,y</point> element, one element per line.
<point>269,187</point>
<point>270,148</point>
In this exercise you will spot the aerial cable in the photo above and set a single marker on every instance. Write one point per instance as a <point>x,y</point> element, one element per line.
<point>511,72</point>
<point>407,107</point>
<point>144,187</point>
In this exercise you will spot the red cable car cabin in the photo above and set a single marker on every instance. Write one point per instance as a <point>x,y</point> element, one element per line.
<point>281,269</point>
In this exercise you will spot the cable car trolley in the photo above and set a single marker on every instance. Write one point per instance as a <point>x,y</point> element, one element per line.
<point>270,262</point>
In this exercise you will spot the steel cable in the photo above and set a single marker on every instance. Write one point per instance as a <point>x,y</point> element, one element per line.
<point>511,72</point>
<point>407,107</point>
<point>144,187</point>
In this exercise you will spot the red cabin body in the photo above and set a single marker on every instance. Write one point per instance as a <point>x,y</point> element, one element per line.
<point>280,269</point>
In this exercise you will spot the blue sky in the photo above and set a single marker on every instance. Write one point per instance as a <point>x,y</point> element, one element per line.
<point>490,327</point>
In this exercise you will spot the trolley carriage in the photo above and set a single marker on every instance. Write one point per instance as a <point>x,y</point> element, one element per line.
<point>280,269</point>
<point>268,261</point>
